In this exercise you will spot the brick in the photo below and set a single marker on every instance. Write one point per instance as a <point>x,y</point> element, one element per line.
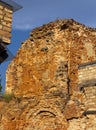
<point>9,15</point>
<point>6,40</point>
<point>7,19</point>
<point>1,16</point>
<point>5,28</point>
<point>5,34</point>
<point>6,23</point>
<point>1,26</point>
<point>1,12</point>
<point>8,10</point>
<point>1,7</point>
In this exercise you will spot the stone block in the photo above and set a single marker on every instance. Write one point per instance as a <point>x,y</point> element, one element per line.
<point>1,7</point>
<point>8,10</point>
<point>6,23</point>
<point>6,40</point>
<point>1,16</point>
<point>1,26</point>
<point>5,34</point>
<point>7,29</point>
<point>6,18</point>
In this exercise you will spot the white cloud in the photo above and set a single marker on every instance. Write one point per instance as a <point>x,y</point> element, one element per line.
<point>22,26</point>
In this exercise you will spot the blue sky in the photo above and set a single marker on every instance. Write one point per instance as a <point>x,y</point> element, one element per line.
<point>38,12</point>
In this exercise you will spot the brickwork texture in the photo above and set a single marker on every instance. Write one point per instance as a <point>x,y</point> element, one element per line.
<point>5,23</point>
<point>53,87</point>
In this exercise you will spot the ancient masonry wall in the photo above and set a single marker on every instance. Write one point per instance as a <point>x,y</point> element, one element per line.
<point>87,84</point>
<point>44,73</point>
<point>79,54</point>
<point>5,23</point>
<point>47,44</point>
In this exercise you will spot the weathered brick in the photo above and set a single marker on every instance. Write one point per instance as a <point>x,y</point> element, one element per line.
<point>1,7</point>
<point>7,19</point>
<point>5,34</point>
<point>5,28</point>
<point>8,10</point>
<point>6,40</point>
<point>1,16</point>
<point>6,23</point>
<point>9,15</point>
<point>1,12</point>
<point>1,26</point>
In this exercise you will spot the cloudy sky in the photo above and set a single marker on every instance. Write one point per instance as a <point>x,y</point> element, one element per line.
<point>38,12</point>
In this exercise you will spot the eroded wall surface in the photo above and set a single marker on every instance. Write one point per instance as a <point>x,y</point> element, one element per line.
<point>48,46</point>
<point>45,80</point>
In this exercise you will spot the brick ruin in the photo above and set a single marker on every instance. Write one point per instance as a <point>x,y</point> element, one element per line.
<point>71,38</point>
<point>6,11</point>
<point>87,85</point>
<point>53,80</point>
<point>5,22</point>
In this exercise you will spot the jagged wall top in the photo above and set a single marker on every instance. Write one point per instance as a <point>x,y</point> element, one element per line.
<point>60,24</point>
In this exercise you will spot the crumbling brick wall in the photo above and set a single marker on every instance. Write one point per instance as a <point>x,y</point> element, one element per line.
<point>87,84</point>
<point>62,40</point>
<point>81,50</point>
<point>44,78</point>
<point>5,22</point>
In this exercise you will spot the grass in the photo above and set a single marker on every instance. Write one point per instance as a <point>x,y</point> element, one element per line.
<point>8,97</point>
